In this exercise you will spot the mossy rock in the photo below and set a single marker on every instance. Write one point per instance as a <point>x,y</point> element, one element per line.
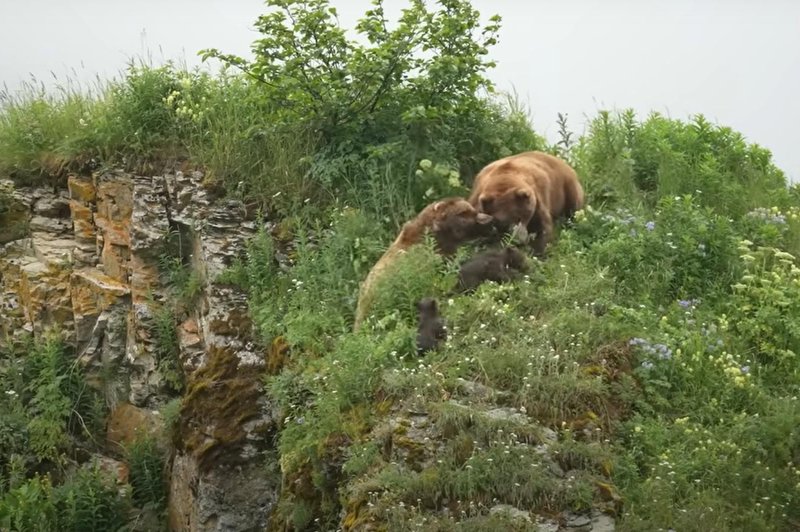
<point>221,403</point>
<point>14,216</point>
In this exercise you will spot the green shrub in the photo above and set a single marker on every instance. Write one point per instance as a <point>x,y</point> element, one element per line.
<point>381,107</point>
<point>90,501</point>
<point>43,135</point>
<point>57,401</point>
<point>232,133</point>
<point>764,312</point>
<point>170,413</point>
<point>419,272</point>
<point>317,408</point>
<point>29,506</point>
<point>86,501</point>
<point>683,251</point>
<point>623,159</point>
<point>147,464</point>
<point>134,124</point>
<point>315,299</point>
<point>167,348</point>
<point>45,408</point>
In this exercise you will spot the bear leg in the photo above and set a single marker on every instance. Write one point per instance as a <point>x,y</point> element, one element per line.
<point>542,224</point>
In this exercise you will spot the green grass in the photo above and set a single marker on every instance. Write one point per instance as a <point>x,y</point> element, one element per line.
<point>648,367</point>
<point>691,426</point>
<point>147,463</point>
<point>681,424</point>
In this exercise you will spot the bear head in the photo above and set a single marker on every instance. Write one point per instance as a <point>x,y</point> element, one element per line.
<point>508,205</point>
<point>515,259</point>
<point>454,221</point>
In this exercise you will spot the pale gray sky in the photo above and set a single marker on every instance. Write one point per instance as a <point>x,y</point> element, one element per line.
<point>736,61</point>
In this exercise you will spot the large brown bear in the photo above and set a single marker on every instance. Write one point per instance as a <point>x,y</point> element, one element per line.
<point>533,189</point>
<point>451,221</point>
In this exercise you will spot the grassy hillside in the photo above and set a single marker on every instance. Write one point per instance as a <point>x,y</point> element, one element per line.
<point>654,352</point>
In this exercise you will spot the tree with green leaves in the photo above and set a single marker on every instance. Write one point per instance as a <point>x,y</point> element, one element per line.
<point>426,64</point>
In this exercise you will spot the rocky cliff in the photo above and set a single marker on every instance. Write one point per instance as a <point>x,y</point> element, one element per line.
<point>89,262</point>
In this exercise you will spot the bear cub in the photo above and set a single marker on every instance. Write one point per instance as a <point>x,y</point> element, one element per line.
<point>432,330</point>
<point>498,265</point>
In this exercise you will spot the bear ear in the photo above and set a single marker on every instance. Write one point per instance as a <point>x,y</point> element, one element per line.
<point>483,218</point>
<point>426,303</point>
<point>437,206</point>
<point>522,195</point>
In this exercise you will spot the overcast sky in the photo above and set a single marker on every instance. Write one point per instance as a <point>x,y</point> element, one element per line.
<point>736,61</point>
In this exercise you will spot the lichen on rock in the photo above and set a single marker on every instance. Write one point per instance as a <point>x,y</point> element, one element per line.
<point>86,261</point>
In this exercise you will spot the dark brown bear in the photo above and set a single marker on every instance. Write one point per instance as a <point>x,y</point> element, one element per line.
<point>498,265</point>
<point>451,221</point>
<point>432,329</point>
<point>533,189</point>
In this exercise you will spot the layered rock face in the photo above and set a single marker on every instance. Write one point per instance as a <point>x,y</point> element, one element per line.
<point>86,261</point>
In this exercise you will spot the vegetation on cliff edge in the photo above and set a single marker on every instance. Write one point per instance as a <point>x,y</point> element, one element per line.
<point>648,367</point>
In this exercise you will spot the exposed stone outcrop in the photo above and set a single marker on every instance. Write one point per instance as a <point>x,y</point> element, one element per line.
<point>413,441</point>
<point>86,260</point>
<point>225,422</point>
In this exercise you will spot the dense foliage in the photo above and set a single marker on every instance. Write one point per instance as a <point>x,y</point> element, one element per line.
<point>659,340</point>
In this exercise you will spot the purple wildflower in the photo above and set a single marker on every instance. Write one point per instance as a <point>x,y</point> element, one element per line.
<point>650,225</point>
<point>647,364</point>
<point>745,369</point>
<point>765,215</point>
<point>685,303</point>
<point>663,352</point>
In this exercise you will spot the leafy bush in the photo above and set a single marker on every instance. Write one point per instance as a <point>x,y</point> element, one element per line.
<point>147,465</point>
<point>90,500</point>
<point>87,501</point>
<point>683,251</point>
<point>315,299</point>
<point>660,157</point>
<point>167,348</point>
<point>408,93</point>
<point>29,506</point>
<point>764,309</point>
<point>419,272</point>
<point>305,59</point>
<point>56,400</point>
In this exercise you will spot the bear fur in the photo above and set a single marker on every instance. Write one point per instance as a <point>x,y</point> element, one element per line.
<point>451,221</point>
<point>498,265</point>
<point>432,329</point>
<point>533,189</point>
